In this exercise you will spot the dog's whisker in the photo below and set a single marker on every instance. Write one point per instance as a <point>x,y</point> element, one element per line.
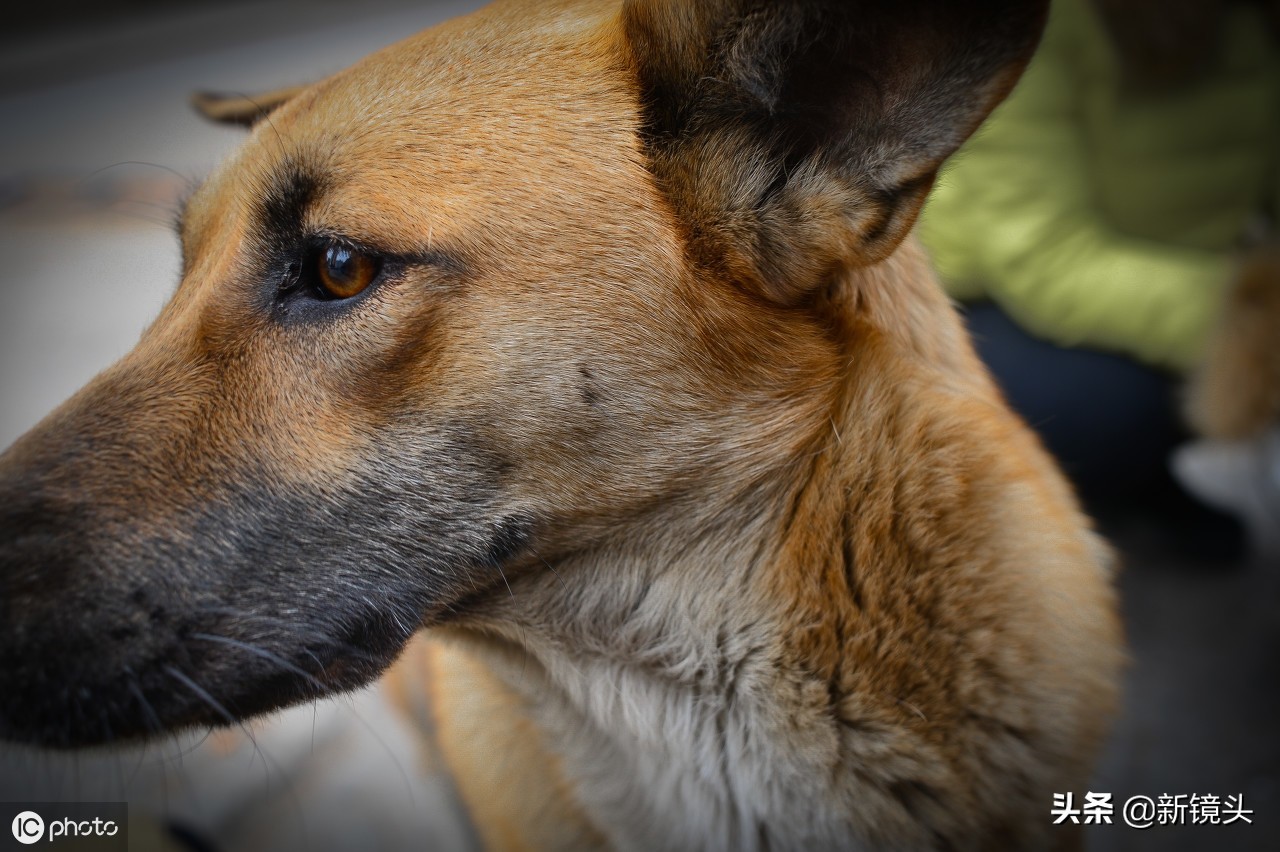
<point>321,691</point>
<point>183,750</point>
<point>312,655</point>
<point>154,725</point>
<point>186,179</point>
<point>913,708</point>
<point>382,744</point>
<point>503,574</point>
<point>141,209</point>
<point>201,693</point>
<point>152,722</point>
<point>549,567</point>
<point>263,653</point>
<point>109,737</point>
<point>300,631</point>
<point>266,116</point>
<point>145,218</point>
<point>269,763</point>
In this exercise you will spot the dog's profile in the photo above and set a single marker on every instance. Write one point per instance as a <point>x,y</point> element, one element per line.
<point>590,336</point>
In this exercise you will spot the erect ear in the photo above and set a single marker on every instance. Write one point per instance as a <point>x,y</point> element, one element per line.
<point>243,110</point>
<point>798,137</point>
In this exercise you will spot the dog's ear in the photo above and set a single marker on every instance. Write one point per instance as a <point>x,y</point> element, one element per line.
<point>238,109</point>
<point>797,137</point>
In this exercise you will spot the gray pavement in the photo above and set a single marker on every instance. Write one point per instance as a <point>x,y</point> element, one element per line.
<point>88,258</point>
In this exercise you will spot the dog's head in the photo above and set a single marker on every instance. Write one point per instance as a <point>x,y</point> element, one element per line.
<point>446,316</point>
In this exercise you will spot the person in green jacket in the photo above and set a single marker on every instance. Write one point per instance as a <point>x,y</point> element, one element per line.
<point>1094,222</point>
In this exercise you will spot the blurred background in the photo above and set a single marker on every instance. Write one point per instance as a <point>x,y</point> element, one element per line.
<point>1055,228</point>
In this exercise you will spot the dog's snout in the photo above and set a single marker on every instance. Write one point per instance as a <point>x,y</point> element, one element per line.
<point>39,633</point>
<point>126,609</point>
<point>66,620</point>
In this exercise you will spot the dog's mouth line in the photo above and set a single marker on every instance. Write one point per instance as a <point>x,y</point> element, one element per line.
<point>270,657</point>
<point>181,687</point>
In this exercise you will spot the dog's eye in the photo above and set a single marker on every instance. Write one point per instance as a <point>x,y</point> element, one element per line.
<point>343,271</point>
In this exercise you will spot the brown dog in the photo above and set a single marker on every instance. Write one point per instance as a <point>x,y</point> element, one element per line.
<point>586,335</point>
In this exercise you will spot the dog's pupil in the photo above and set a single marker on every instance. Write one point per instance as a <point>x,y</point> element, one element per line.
<point>341,263</point>
<point>344,272</point>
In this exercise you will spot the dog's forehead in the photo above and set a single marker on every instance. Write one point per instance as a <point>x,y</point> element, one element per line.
<point>505,55</point>
<point>461,114</point>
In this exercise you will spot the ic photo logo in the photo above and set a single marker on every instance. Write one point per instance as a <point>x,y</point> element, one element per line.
<point>60,823</point>
<point>28,827</point>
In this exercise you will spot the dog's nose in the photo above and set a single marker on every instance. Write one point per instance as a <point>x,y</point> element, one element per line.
<point>46,646</point>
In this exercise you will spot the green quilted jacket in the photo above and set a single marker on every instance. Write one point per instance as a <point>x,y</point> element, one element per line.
<point>1099,218</point>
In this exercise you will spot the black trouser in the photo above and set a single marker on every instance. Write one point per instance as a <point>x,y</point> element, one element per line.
<point>1111,421</point>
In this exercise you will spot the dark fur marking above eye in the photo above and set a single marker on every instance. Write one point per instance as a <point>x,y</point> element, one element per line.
<point>283,204</point>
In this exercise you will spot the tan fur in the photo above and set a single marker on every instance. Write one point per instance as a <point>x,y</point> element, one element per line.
<point>921,643</point>
<point>1235,393</point>
<point>467,702</point>
<point>792,575</point>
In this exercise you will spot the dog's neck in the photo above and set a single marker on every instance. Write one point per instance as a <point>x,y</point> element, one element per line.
<point>668,669</point>
<point>695,649</point>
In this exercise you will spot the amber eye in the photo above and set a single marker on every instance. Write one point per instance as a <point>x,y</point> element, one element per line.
<point>345,272</point>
